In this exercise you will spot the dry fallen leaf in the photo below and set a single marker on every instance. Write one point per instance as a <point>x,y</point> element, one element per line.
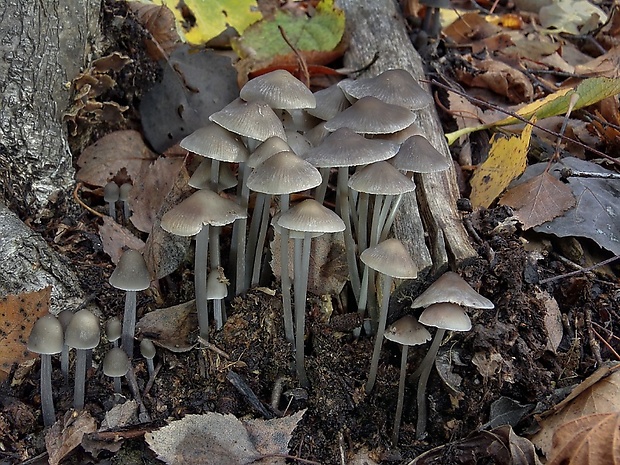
<point>66,434</point>
<point>18,314</point>
<point>170,327</point>
<point>115,238</point>
<point>159,21</point>
<point>507,160</point>
<point>539,200</point>
<point>590,440</point>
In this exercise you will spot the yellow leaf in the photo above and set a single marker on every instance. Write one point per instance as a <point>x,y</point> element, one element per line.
<point>507,160</point>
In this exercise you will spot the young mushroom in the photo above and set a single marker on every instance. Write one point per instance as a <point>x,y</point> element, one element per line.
<point>443,300</point>
<point>130,275</point>
<point>111,193</point>
<point>148,351</point>
<point>83,335</point>
<point>392,260</point>
<point>406,332</point>
<point>46,339</point>
<point>115,365</point>
<point>113,331</point>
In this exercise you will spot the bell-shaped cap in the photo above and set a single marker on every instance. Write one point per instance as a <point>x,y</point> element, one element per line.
<point>329,102</point>
<point>147,348</point>
<point>201,179</point>
<point>450,287</point>
<point>111,192</point>
<point>83,331</point>
<point>391,258</point>
<point>215,142</point>
<point>217,285</point>
<point>113,329</point>
<point>407,331</point>
<point>310,216</point>
<point>250,119</point>
<point>278,89</point>
<point>417,154</point>
<point>267,149</point>
<point>298,142</point>
<point>395,86</point>
<point>199,209</point>
<point>115,363</point>
<point>381,178</point>
<point>46,336</point>
<point>131,273</point>
<point>372,116</point>
<point>283,173</point>
<point>447,316</point>
<point>345,147</point>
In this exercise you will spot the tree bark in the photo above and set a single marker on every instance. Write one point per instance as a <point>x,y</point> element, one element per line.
<point>43,44</point>
<point>376,28</point>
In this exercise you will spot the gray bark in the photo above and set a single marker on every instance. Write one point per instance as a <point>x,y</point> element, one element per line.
<point>43,43</point>
<point>376,27</point>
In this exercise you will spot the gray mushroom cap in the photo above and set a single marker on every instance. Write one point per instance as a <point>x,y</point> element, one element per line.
<point>83,331</point>
<point>283,173</point>
<point>381,178</point>
<point>215,142</point>
<point>372,116</point>
<point>201,179</point>
<point>147,348</point>
<point>310,216</point>
<point>279,89</point>
<point>329,102</point>
<point>394,86</point>
<point>113,329</point>
<point>216,285</point>
<point>115,363</point>
<point>251,119</point>
<point>446,316</point>
<point>199,209</point>
<point>131,273</point>
<point>450,287</point>
<point>418,155</point>
<point>407,331</point>
<point>267,149</point>
<point>46,336</point>
<point>391,258</point>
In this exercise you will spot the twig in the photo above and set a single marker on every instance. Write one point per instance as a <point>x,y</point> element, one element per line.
<point>580,270</point>
<point>611,349</point>
<point>81,202</point>
<point>569,172</point>
<point>213,348</point>
<point>239,383</point>
<point>302,62</point>
<point>594,347</point>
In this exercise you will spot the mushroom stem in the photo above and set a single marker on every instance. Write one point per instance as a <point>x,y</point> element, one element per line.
<point>385,302</point>
<point>64,363</point>
<point>80,378</point>
<point>253,234</point>
<point>200,281</point>
<point>390,219</point>
<point>401,394</point>
<point>47,402</point>
<point>285,279</point>
<point>349,242</point>
<point>262,234</point>
<point>319,196</point>
<point>117,384</point>
<point>301,263</point>
<point>129,323</point>
<point>362,213</point>
<point>425,371</point>
<point>239,232</point>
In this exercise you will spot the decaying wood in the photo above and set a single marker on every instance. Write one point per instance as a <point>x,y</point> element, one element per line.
<point>44,45</point>
<point>376,28</point>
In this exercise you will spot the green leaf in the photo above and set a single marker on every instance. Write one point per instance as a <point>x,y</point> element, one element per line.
<point>590,91</point>
<point>321,32</point>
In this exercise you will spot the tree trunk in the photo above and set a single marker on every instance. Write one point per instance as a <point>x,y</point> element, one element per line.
<point>376,28</point>
<point>43,44</point>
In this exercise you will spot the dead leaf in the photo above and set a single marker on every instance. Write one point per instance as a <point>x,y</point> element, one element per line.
<point>18,314</point>
<point>216,439</point>
<point>115,238</point>
<point>170,327</point>
<point>590,440</point>
<point>66,434</point>
<point>507,160</point>
<point>599,393</point>
<point>469,28</point>
<point>102,160</point>
<point>160,22</point>
<point>501,79</point>
<point>539,200</point>
<point>552,319</point>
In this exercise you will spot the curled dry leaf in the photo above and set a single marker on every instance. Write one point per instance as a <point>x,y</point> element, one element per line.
<point>590,440</point>
<point>170,327</point>
<point>115,238</point>
<point>65,435</point>
<point>160,22</point>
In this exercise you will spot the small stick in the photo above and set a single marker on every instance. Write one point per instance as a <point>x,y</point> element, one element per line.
<point>580,270</point>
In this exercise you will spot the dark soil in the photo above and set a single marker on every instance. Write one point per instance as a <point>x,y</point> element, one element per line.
<point>341,418</point>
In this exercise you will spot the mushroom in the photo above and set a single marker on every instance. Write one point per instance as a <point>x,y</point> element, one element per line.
<point>46,339</point>
<point>329,102</point>
<point>83,335</point>
<point>406,332</point>
<point>116,364</point>
<point>65,317</point>
<point>280,90</point>
<point>192,217</point>
<point>148,351</point>
<point>443,300</point>
<point>113,330</point>
<point>111,195</point>
<point>130,275</point>
<point>217,291</point>
<point>392,260</point>
<point>123,196</point>
<point>308,217</point>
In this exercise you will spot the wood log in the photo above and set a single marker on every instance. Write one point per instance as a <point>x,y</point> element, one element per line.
<point>428,222</point>
<point>44,45</point>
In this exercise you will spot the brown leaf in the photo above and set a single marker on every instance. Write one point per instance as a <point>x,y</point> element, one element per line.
<point>501,79</point>
<point>102,160</point>
<point>160,22</point>
<point>170,327</point>
<point>116,238</point>
<point>65,435</point>
<point>590,440</point>
<point>18,314</point>
<point>539,200</point>
<point>271,437</point>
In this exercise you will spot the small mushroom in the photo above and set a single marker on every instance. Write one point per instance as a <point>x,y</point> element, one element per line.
<point>111,194</point>
<point>130,275</point>
<point>148,351</point>
<point>65,318</point>
<point>123,196</point>
<point>46,339</point>
<point>115,365</point>
<point>406,332</point>
<point>113,330</point>
<point>83,335</point>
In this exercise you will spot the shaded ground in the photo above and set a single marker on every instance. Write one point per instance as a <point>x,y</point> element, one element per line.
<point>509,346</point>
